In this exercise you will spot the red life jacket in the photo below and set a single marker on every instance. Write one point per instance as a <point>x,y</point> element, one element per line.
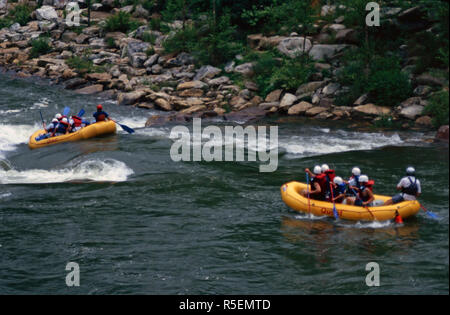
<point>331,175</point>
<point>322,180</point>
<point>77,121</point>
<point>370,184</point>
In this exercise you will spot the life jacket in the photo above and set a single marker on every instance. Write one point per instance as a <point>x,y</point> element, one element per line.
<point>77,121</point>
<point>62,127</point>
<point>357,184</point>
<point>51,128</point>
<point>322,181</point>
<point>330,175</point>
<point>370,184</point>
<point>361,195</point>
<point>412,189</point>
<point>100,116</point>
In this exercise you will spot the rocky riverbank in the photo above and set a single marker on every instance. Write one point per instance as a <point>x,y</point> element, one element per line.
<point>136,72</point>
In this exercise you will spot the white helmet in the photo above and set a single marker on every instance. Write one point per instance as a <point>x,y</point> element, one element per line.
<point>410,170</point>
<point>54,120</point>
<point>64,119</point>
<point>58,116</point>
<point>317,170</point>
<point>338,180</point>
<point>325,167</point>
<point>356,171</point>
<point>363,179</point>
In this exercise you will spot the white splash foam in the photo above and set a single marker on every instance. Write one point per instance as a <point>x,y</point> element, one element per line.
<point>92,170</point>
<point>13,135</point>
<point>5,195</point>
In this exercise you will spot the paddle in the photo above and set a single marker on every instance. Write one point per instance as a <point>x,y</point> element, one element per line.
<point>66,111</point>
<point>336,215</point>
<point>431,214</point>
<point>124,127</point>
<point>42,118</point>
<point>81,113</point>
<point>357,196</point>
<point>307,192</point>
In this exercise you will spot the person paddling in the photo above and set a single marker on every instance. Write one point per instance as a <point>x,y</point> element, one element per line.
<point>339,190</point>
<point>100,115</point>
<point>364,196</point>
<point>62,128</point>
<point>329,175</point>
<point>409,187</point>
<point>353,181</point>
<point>317,182</point>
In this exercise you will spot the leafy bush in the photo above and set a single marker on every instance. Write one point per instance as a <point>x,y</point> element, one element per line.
<point>21,14</point>
<point>183,40</point>
<point>83,65</point>
<point>438,108</point>
<point>121,22</point>
<point>388,87</point>
<point>5,22</point>
<point>39,47</point>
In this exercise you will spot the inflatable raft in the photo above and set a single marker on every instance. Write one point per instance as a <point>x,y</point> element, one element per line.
<point>291,195</point>
<point>91,131</point>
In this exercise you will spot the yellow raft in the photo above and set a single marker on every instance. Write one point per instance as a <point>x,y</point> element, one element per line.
<point>91,131</point>
<point>291,195</point>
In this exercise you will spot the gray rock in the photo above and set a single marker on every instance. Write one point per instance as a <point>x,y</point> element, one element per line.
<point>412,112</point>
<point>15,27</point>
<point>428,79</point>
<point>140,12</point>
<point>371,110</point>
<point>96,6</point>
<point>207,72</point>
<point>273,96</point>
<point>246,69</point>
<point>47,13</point>
<point>151,60</point>
<point>321,52</point>
<point>229,67</point>
<point>422,90</point>
<point>294,46</point>
<point>60,4</point>
<point>46,26</point>
<point>137,60</point>
<point>219,81</point>
<point>313,111</point>
<point>287,100</point>
<point>3,4</point>
<point>331,88</point>
<point>137,47</point>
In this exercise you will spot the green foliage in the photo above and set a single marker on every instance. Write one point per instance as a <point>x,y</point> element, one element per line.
<point>380,77</point>
<point>83,65</point>
<point>155,24</point>
<point>438,108</point>
<point>21,14</point>
<point>121,22</point>
<point>5,22</point>
<point>183,40</point>
<point>149,38</point>
<point>110,42</point>
<point>39,47</point>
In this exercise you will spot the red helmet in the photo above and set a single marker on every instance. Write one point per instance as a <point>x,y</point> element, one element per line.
<point>99,107</point>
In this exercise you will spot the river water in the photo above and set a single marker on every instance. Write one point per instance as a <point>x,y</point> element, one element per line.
<point>136,222</point>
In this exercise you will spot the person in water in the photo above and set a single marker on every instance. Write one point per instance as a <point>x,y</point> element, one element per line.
<point>409,187</point>
<point>339,190</point>
<point>100,115</point>
<point>364,197</point>
<point>317,183</point>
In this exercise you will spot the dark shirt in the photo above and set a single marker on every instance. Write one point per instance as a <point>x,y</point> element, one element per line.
<point>100,116</point>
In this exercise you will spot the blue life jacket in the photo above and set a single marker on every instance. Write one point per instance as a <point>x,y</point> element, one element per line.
<point>412,189</point>
<point>62,127</point>
<point>100,116</point>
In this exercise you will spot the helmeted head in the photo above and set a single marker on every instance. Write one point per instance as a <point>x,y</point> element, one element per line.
<point>99,107</point>
<point>64,119</point>
<point>58,116</point>
<point>54,120</point>
<point>317,170</point>
<point>356,171</point>
<point>410,171</point>
<point>364,179</point>
<point>338,180</point>
<point>325,167</point>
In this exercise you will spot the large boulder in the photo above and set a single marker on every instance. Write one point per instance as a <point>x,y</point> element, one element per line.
<point>309,88</point>
<point>273,96</point>
<point>442,133</point>
<point>137,47</point>
<point>92,89</point>
<point>191,85</point>
<point>47,13</point>
<point>246,69</point>
<point>322,52</point>
<point>287,100</point>
<point>130,98</point>
<point>3,4</point>
<point>411,112</point>
<point>299,109</point>
<point>207,72</point>
<point>294,46</point>
<point>371,110</point>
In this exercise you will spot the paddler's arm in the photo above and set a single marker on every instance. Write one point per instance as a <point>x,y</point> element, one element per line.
<point>371,198</point>
<point>307,170</point>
